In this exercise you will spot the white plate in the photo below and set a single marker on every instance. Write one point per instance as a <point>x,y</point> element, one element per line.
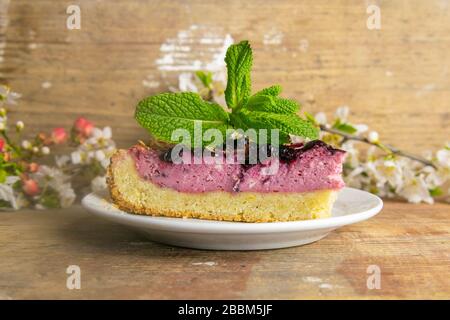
<point>351,206</point>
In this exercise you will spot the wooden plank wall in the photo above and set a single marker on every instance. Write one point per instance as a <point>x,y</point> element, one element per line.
<point>395,79</point>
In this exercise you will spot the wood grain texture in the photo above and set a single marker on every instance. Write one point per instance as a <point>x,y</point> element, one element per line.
<point>410,244</point>
<point>395,79</point>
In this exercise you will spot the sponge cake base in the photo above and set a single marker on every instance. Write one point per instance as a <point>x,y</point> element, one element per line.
<point>133,194</point>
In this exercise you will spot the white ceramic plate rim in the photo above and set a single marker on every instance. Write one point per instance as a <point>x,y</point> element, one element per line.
<point>100,206</point>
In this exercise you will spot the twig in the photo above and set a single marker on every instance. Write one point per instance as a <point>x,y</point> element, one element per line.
<point>10,143</point>
<point>387,148</point>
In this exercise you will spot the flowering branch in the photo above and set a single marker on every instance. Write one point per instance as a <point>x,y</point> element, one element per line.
<point>393,173</point>
<point>388,148</point>
<point>26,183</point>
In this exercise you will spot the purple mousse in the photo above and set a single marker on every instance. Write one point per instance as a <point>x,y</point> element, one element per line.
<point>314,166</point>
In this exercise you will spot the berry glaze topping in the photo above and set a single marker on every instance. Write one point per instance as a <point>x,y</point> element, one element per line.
<point>299,168</point>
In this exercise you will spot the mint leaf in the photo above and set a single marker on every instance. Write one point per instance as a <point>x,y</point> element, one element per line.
<point>239,63</point>
<point>164,113</point>
<point>274,90</point>
<point>267,100</point>
<point>286,105</point>
<point>268,103</point>
<point>286,123</point>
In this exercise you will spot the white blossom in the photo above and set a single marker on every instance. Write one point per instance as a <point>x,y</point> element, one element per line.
<point>53,177</point>
<point>61,161</point>
<point>321,118</point>
<point>67,195</point>
<point>443,158</point>
<point>7,193</point>
<point>373,137</point>
<point>342,113</point>
<point>355,179</point>
<point>100,138</point>
<point>45,150</point>
<point>433,177</point>
<point>352,154</point>
<point>8,97</point>
<point>105,163</point>
<point>187,82</point>
<point>20,125</point>
<point>416,190</point>
<point>98,184</point>
<point>26,144</point>
<point>76,157</point>
<point>100,155</point>
<point>361,128</point>
<point>98,147</point>
<point>90,155</point>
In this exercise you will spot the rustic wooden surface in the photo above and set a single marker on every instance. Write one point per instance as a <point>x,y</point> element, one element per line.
<point>395,79</point>
<point>410,244</point>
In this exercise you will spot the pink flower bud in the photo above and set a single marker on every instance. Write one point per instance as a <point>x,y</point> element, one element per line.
<point>2,145</point>
<point>59,135</point>
<point>33,167</point>
<point>30,187</point>
<point>83,126</point>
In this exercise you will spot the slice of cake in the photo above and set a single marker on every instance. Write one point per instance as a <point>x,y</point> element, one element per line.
<point>304,186</point>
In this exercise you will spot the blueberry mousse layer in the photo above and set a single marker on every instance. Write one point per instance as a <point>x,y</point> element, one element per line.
<point>299,168</point>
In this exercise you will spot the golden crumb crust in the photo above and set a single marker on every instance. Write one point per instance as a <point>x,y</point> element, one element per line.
<point>135,195</point>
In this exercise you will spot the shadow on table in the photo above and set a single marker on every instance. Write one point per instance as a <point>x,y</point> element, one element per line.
<point>87,233</point>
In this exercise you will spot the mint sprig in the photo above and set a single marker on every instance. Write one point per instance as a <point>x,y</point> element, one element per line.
<point>268,103</point>
<point>239,63</point>
<point>285,123</point>
<point>162,114</point>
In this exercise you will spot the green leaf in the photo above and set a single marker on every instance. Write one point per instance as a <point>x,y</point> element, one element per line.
<point>436,192</point>
<point>239,63</point>
<point>311,118</point>
<point>162,114</point>
<point>205,77</point>
<point>268,103</point>
<point>5,204</point>
<point>286,105</point>
<point>50,198</point>
<point>286,123</point>
<point>267,100</point>
<point>3,175</point>
<point>274,90</point>
<point>344,127</point>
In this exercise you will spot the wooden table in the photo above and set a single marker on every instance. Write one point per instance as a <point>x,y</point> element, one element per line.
<point>410,244</point>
